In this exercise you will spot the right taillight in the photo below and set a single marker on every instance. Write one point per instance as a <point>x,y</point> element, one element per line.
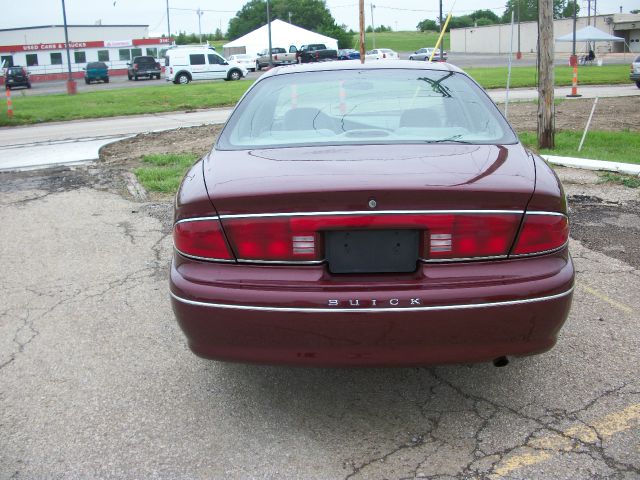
<point>542,232</point>
<point>201,238</point>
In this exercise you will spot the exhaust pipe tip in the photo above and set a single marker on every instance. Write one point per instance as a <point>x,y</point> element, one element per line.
<point>500,362</point>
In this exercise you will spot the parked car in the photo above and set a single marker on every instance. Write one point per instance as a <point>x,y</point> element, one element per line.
<point>381,54</point>
<point>634,74</point>
<point>424,54</point>
<point>246,60</point>
<point>16,76</point>
<point>279,56</point>
<point>418,229</point>
<point>184,64</point>
<point>348,54</point>
<point>316,52</point>
<point>143,66</point>
<point>96,72</point>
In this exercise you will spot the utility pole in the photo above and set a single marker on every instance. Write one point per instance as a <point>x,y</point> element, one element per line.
<point>546,109</point>
<point>373,26</point>
<point>441,46</point>
<point>168,23</point>
<point>362,49</point>
<point>269,33</point>
<point>518,53</point>
<point>71,83</point>
<point>200,13</point>
<point>573,61</point>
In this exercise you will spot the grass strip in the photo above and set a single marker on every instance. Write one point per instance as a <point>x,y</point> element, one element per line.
<point>166,98</point>
<point>123,101</point>
<point>496,77</point>
<point>402,41</point>
<point>165,171</point>
<point>598,145</point>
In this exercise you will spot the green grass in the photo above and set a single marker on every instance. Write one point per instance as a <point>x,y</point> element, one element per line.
<point>123,101</point>
<point>609,146</point>
<point>402,41</point>
<point>165,171</point>
<point>619,179</point>
<point>526,76</point>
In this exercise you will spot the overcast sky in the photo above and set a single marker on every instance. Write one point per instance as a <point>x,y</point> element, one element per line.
<point>398,14</point>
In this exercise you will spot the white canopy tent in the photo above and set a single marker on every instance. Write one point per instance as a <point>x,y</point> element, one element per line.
<point>283,35</point>
<point>589,34</point>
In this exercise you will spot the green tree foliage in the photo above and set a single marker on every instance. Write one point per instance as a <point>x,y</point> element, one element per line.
<point>487,14</point>
<point>310,14</point>
<point>567,11</point>
<point>458,22</point>
<point>427,25</point>
<point>529,10</point>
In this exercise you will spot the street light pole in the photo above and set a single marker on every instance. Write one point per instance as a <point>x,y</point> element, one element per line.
<point>269,30</point>
<point>441,45</point>
<point>71,84</point>
<point>373,26</point>
<point>200,13</point>
<point>168,23</point>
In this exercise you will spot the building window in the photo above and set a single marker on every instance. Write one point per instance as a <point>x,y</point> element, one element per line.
<point>103,55</point>
<point>80,57</point>
<point>56,59</point>
<point>125,54</point>
<point>136,52</point>
<point>32,59</point>
<point>6,61</point>
<point>152,52</point>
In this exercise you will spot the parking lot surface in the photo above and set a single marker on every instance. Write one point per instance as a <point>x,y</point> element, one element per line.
<point>96,380</point>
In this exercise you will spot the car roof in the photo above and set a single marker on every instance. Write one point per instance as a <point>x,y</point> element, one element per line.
<point>356,65</point>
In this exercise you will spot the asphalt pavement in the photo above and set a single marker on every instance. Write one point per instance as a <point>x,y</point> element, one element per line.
<point>96,380</point>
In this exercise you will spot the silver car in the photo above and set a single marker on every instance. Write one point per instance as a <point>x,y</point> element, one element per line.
<point>425,53</point>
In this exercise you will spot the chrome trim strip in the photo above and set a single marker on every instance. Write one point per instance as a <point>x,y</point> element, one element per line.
<point>544,252</point>
<point>195,219</point>
<point>557,214</point>
<point>372,310</point>
<point>464,259</point>
<point>281,262</point>
<point>369,212</point>
<point>206,259</point>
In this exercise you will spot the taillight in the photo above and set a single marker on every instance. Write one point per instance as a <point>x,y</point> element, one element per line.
<point>542,232</point>
<point>135,66</point>
<point>384,55</point>
<point>299,238</point>
<point>201,238</point>
<point>170,70</point>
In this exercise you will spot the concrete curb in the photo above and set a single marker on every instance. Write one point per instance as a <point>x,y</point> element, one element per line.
<point>585,163</point>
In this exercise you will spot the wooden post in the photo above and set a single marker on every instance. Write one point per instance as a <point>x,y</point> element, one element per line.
<point>546,109</point>
<point>362,47</point>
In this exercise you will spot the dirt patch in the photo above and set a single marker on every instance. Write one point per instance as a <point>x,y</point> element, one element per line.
<point>612,114</point>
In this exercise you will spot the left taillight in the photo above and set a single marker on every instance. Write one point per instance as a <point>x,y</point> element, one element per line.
<point>541,232</point>
<point>201,238</point>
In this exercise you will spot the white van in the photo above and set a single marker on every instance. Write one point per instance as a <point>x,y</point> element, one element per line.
<point>183,64</point>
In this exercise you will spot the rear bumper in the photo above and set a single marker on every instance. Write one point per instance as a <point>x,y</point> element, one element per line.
<point>444,313</point>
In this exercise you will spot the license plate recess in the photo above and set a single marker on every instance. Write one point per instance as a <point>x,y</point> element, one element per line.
<point>372,251</point>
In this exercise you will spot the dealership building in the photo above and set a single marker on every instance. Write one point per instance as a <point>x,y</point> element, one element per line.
<point>497,38</point>
<point>42,49</point>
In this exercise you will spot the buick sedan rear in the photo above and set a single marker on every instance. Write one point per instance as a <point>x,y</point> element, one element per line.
<point>379,214</point>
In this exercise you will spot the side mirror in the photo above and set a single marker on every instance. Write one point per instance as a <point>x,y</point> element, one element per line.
<point>225,63</point>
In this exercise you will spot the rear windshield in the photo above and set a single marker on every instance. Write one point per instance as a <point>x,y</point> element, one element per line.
<point>364,107</point>
<point>278,50</point>
<point>144,60</point>
<point>96,65</point>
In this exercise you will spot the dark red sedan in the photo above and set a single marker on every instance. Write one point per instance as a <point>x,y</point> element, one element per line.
<point>378,214</point>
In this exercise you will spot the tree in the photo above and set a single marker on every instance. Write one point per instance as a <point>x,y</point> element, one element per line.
<point>488,14</point>
<point>310,14</point>
<point>459,22</point>
<point>529,10</point>
<point>427,25</point>
<point>567,11</point>
<point>218,35</point>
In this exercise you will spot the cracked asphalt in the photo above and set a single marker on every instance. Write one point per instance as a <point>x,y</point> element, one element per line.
<point>96,380</point>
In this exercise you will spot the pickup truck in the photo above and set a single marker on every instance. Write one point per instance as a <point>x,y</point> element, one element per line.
<point>144,66</point>
<point>279,56</point>
<point>316,52</point>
